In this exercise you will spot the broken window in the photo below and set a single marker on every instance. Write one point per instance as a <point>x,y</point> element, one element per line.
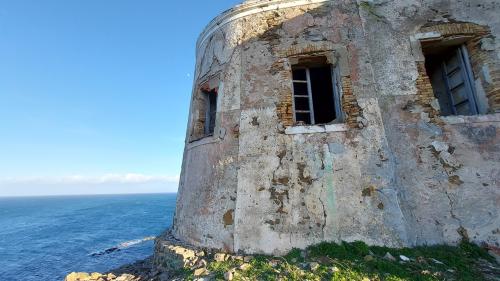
<point>204,113</point>
<point>210,111</point>
<point>452,79</point>
<point>316,93</point>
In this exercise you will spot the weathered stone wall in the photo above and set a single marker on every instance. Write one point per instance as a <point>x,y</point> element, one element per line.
<point>447,168</point>
<point>395,173</point>
<point>207,190</point>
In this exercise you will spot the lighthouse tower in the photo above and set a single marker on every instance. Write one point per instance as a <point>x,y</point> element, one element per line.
<point>318,120</point>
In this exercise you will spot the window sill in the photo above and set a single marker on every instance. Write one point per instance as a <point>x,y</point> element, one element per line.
<point>313,129</point>
<point>202,141</point>
<point>463,119</point>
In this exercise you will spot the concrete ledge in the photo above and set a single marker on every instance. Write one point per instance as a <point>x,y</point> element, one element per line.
<point>454,120</point>
<point>202,141</point>
<point>296,130</point>
<point>172,255</point>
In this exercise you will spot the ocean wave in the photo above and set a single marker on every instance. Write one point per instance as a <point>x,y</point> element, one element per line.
<point>122,245</point>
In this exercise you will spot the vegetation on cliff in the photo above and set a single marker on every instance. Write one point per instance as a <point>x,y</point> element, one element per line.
<point>355,261</point>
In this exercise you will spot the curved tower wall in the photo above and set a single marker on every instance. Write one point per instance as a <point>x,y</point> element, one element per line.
<point>262,183</point>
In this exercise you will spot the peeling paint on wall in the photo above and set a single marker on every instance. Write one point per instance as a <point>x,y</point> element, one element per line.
<point>394,173</point>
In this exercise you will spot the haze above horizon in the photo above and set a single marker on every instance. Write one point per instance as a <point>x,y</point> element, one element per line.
<point>94,95</point>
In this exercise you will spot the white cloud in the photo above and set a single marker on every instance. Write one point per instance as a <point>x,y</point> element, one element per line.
<point>104,179</point>
<point>78,185</point>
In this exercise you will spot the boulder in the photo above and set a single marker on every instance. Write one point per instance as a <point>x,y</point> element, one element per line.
<point>77,276</point>
<point>125,277</point>
<point>248,258</point>
<point>201,272</point>
<point>229,275</point>
<point>95,276</point>
<point>334,269</point>
<point>220,257</point>
<point>314,266</point>
<point>369,258</point>
<point>245,267</point>
<point>389,257</point>
<point>404,258</point>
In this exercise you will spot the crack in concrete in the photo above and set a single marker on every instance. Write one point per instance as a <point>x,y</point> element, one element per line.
<point>324,217</point>
<point>461,229</point>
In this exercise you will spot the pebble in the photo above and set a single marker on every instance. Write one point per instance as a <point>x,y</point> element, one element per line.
<point>436,261</point>
<point>247,258</point>
<point>303,254</point>
<point>389,257</point>
<point>125,277</point>
<point>245,266</point>
<point>229,275</point>
<point>334,269</point>
<point>220,257</point>
<point>313,266</point>
<point>75,276</point>
<point>200,263</point>
<point>200,272</point>
<point>404,258</point>
<point>273,263</point>
<point>324,260</point>
<point>238,258</point>
<point>95,276</point>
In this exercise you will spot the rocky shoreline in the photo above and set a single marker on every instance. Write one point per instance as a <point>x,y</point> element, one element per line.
<point>137,271</point>
<point>170,257</point>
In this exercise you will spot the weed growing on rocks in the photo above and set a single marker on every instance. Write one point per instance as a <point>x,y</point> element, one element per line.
<point>357,261</point>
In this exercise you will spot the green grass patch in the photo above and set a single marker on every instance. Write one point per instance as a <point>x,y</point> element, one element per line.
<point>357,261</point>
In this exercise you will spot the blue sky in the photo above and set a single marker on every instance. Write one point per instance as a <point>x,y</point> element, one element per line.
<point>94,94</point>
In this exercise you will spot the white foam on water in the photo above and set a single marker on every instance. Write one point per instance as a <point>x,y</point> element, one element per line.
<point>123,245</point>
<point>135,242</point>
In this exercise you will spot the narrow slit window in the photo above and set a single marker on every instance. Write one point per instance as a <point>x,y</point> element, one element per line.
<point>211,110</point>
<point>316,95</point>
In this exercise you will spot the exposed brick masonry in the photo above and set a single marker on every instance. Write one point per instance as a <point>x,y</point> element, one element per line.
<point>350,104</point>
<point>425,93</point>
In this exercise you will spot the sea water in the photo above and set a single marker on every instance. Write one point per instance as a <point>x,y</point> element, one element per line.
<point>45,238</point>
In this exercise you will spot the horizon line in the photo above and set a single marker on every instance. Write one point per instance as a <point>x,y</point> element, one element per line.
<point>81,195</point>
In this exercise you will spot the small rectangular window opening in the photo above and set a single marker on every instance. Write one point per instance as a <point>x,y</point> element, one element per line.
<point>450,72</point>
<point>316,94</point>
<point>210,112</point>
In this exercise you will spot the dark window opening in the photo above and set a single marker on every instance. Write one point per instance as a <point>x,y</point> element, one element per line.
<point>322,95</point>
<point>211,110</point>
<point>452,80</point>
<point>316,95</point>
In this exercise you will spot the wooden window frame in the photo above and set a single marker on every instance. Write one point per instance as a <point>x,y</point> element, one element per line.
<point>467,77</point>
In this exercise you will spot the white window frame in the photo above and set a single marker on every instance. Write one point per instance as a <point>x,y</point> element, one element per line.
<point>337,95</point>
